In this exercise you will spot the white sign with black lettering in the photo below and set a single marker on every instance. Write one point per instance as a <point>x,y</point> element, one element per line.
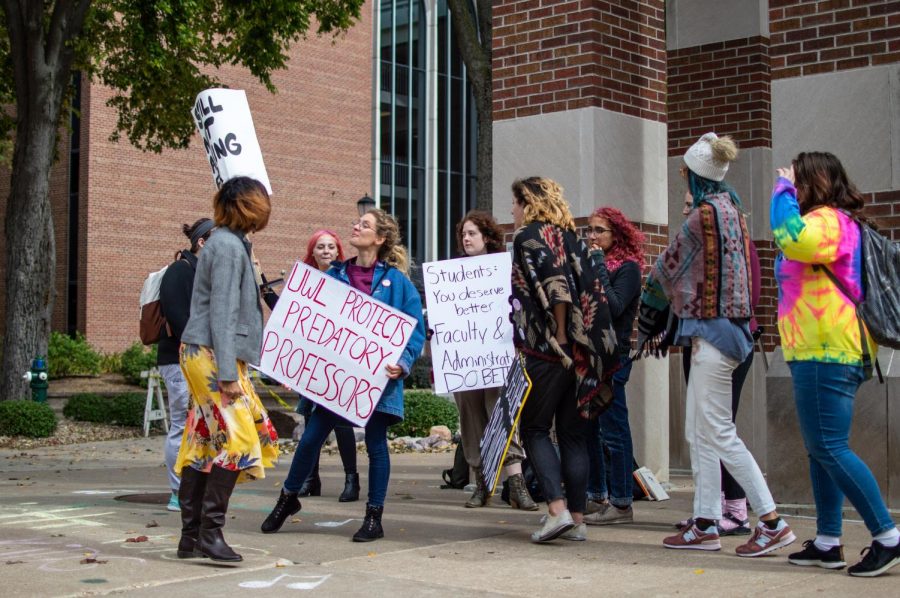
<point>468,313</point>
<point>223,119</point>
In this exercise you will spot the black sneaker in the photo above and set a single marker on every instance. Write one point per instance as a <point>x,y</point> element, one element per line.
<point>811,556</point>
<point>877,559</point>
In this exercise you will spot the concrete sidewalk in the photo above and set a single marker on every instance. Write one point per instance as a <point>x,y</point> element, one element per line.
<point>64,531</point>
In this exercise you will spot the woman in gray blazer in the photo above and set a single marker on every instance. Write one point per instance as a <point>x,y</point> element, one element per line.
<point>228,437</point>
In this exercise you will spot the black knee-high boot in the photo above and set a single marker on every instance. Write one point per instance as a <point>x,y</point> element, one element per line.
<point>219,486</point>
<point>190,496</point>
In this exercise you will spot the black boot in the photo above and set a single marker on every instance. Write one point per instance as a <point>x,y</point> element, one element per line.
<point>371,528</point>
<point>190,495</point>
<point>312,486</point>
<point>219,486</point>
<point>481,497</point>
<point>351,488</point>
<point>286,506</point>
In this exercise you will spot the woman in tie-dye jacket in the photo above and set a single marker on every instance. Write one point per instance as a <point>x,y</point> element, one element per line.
<point>813,214</point>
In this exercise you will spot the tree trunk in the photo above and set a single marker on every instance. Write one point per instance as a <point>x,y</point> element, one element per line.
<point>484,151</point>
<point>30,246</point>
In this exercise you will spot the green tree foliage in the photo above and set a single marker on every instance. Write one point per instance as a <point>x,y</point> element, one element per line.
<point>155,56</point>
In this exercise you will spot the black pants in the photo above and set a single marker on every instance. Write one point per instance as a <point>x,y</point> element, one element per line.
<point>553,397</point>
<point>730,487</point>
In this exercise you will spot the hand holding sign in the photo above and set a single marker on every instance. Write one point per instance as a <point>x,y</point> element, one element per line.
<point>223,119</point>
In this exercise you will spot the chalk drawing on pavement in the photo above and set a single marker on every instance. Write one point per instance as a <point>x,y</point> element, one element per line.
<point>39,519</point>
<point>313,582</point>
<point>58,556</point>
<point>335,523</point>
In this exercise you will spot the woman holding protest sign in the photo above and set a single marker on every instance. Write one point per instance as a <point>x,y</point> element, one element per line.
<point>479,234</point>
<point>617,253</point>
<point>228,437</point>
<point>378,270</point>
<point>564,330</point>
<point>325,247</point>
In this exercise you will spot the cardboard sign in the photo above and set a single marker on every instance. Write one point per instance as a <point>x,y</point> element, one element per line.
<point>331,343</point>
<point>504,419</point>
<point>468,312</point>
<point>223,120</point>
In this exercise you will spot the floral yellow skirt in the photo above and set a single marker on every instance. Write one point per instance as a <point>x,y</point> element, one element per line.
<point>232,434</point>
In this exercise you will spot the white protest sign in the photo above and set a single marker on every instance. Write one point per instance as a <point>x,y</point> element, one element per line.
<point>468,312</point>
<point>331,343</point>
<point>223,119</point>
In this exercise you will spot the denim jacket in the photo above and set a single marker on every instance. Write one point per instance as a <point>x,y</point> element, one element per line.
<point>390,286</point>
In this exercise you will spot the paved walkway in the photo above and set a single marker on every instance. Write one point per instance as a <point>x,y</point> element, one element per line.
<point>64,531</point>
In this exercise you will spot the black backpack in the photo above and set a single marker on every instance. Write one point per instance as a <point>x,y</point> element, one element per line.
<point>879,309</point>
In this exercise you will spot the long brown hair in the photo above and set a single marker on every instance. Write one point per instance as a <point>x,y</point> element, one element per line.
<point>822,181</point>
<point>487,226</point>
<point>391,251</point>
<point>542,201</point>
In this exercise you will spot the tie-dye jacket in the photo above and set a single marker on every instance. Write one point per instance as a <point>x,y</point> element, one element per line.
<point>816,321</point>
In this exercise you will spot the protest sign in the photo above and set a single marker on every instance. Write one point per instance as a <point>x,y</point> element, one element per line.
<point>223,120</point>
<point>468,313</point>
<point>331,343</point>
<point>504,419</point>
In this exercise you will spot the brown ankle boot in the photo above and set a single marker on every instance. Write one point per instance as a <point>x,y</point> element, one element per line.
<point>518,494</point>
<point>480,497</point>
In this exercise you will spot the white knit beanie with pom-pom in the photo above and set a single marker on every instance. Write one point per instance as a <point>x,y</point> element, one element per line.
<point>710,156</point>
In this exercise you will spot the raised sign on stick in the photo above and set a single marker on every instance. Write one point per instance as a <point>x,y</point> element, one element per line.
<point>330,343</point>
<point>223,119</point>
<point>468,313</point>
<point>504,419</point>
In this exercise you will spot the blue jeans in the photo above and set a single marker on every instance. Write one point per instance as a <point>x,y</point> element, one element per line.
<point>824,394</point>
<point>320,425</point>
<point>615,477</point>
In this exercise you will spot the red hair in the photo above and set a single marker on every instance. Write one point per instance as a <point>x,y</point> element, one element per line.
<point>310,259</point>
<point>628,240</point>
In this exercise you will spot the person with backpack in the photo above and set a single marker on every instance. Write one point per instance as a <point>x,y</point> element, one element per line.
<point>228,437</point>
<point>815,215</point>
<point>175,291</point>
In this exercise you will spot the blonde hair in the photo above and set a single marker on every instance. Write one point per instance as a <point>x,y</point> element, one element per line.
<point>543,201</point>
<point>724,149</point>
<point>391,251</point>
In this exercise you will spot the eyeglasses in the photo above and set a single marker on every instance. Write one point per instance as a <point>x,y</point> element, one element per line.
<point>362,224</point>
<point>597,230</point>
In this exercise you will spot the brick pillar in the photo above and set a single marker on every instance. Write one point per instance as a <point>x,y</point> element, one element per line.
<point>580,97</point>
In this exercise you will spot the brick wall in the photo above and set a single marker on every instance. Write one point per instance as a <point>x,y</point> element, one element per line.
<point>550,56</point>
<point>810,37</point>
<point>884,210</point>
<point>722,87</point>
<point>315,135</point>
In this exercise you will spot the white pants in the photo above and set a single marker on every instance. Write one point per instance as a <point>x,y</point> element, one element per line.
<point>178,398</point>
<point>712,436</point>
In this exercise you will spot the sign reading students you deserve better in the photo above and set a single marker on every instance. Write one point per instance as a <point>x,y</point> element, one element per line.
<point>223,120</point>
<point>331,343</point>
<point>468,313</point>
<point>504,418</point>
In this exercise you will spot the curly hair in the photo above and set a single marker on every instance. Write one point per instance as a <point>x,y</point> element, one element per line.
<point>543,201</point>
<point>487,226</point>
<point>391,251</point>
<point>628,241</point>
<point>822,181</point>
<point>310,259</point>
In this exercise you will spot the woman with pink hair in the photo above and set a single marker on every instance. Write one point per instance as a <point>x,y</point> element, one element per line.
<point>617,253</point>
<point>325,247</point>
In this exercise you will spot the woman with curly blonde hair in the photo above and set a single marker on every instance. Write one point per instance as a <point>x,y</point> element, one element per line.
<point>563,331</point>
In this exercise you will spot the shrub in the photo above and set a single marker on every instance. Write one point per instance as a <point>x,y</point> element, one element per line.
<point>423,409</point>
<point>110,363</point>
<point>419,374</point>
<point>68,356</point>
<point>124,410</point>
<point>26,418</point>
<point>135,360</point>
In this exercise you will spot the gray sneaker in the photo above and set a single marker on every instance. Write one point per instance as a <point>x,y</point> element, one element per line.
<point>553,527</point>
<point>611,516</point>
<point>576,534</point>
<point>596,506</point>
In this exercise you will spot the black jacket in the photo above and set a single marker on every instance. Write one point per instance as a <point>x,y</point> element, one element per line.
<point>175,300</point>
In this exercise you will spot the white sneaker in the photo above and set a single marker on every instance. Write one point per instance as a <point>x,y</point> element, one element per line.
<point>576,534</point>
<point>553,527</point>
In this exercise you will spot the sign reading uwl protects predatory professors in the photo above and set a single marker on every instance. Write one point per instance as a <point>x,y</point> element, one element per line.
<point>468,312</point>
<point>223,120</point>
<point>330,343</point>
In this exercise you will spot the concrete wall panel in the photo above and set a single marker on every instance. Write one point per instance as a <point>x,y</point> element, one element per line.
<point>697,22</point>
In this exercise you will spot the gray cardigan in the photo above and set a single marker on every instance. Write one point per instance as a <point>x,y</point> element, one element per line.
<point>225,312</point>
